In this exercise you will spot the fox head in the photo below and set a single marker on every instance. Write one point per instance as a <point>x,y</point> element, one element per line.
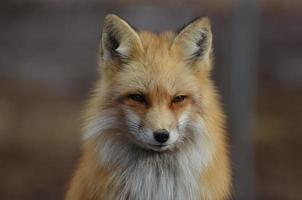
<point>155,89</point>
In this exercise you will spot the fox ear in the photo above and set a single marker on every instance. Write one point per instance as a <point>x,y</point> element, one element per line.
<point>119,40</point>
<point>195,40</point>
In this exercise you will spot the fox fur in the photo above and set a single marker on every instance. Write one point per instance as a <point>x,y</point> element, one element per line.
<point>153,82</point>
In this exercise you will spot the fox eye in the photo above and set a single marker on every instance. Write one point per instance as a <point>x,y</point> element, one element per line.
<point>179,99</point>
<point>137,97</point>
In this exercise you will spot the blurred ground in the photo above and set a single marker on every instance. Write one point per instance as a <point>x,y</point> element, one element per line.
<point>48,63</point>
<point>39,142</point>
<point>278,143</point>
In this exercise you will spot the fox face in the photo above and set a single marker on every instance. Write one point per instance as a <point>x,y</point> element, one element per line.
<point>157,108</point>
<point>154,87</point>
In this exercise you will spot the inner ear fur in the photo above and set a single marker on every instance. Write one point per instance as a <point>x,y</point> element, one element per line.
<point>195,40</point>
<point>119,40</point>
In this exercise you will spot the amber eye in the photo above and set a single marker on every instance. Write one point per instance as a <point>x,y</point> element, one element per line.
<point>137,97</point>
<point>179,99</point>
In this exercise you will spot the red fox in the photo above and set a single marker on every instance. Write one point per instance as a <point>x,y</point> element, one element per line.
<point>154,128</point>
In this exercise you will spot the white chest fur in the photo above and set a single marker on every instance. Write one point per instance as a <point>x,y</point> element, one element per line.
<point>148,175</point>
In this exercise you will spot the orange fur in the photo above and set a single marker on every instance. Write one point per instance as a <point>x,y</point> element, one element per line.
<point>159,70</point>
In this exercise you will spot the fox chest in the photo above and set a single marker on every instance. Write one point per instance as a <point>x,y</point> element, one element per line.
<point>145,181</point>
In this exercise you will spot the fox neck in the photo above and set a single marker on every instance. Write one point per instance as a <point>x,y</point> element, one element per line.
<point>149,175</point>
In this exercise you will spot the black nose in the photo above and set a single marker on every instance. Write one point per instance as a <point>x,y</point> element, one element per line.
<point>161,135</point>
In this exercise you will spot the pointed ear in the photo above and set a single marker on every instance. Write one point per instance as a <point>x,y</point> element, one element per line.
<point>119,40</point>
<point>195,40</point>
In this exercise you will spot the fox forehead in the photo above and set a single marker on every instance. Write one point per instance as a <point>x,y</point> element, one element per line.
<point>158,67</point>
<point>157,45</point>
<point>157,79</point>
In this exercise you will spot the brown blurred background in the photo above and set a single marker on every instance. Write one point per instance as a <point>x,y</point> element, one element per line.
<point>48,64</point>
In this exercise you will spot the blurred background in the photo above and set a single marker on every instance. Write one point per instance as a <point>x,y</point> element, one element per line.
<point>48,64</point>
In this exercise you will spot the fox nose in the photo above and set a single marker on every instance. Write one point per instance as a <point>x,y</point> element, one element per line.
<point>161,135</point>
